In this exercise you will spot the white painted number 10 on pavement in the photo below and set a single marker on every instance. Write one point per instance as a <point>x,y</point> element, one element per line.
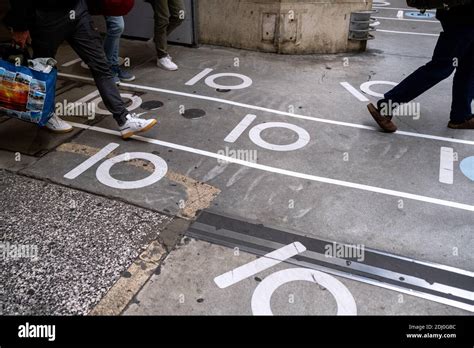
<point>262,295</point>
<point>103,172</point>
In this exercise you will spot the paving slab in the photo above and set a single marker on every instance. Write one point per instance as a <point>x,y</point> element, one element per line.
<point>185,286</point>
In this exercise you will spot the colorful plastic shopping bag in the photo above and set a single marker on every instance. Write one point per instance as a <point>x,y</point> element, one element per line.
<point>25,93</point>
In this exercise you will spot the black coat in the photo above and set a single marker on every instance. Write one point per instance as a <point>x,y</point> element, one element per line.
<point>458,16</point>
<point>22,11</point>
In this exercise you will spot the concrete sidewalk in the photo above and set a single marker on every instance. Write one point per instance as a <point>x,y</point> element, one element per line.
<point>292,150</point>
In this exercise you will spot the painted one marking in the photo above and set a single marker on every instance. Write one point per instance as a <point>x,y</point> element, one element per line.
<point>252,268</point>
<point>76,172</point>
<point>405,32</point>
<point>246,81</point>
<point>276,112</point>
<point>446,166</point>
<point>72,62</point>
<point>303,136</point>
<point>103,172</point>
<point>467,167</point>
<point>289,173</point>
<point>199,77</point>
<point>262,295</point>
<point>366,87</point>
<point>136,102</point>
<point>354,92</point>
<point>240,129</point>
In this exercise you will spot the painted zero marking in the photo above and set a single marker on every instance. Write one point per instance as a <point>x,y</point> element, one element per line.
<point>103,172</point>
<point>346,304</point>
<point>211,80</point>
<point>136,102</point>
<point>246,81</point>
<point>303,136</point>
<point>366,87</point>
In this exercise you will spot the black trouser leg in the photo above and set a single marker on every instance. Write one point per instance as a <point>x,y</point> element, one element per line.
<point>87,43</point>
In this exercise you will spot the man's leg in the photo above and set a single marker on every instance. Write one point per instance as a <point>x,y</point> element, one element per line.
<point>177,12</point>
<point>162,20</point>
<point>439,68</point>
<point>168,16</point>
<point>115,28</point>
<point>86,41</point>
<point>450,45</point>
<point>463,85</point>
<point>47,34</point>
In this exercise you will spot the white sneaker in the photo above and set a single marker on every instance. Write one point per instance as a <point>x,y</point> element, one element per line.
<point>135,125</point>
<point>56,125</point>
<point>167,64</point>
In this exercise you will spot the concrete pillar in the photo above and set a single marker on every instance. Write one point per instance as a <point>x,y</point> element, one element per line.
<point>280,26</point>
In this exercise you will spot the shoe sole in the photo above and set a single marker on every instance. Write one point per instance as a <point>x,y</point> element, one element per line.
<point>59,131</point>
<point>457,127</point>
<point>382,121</point>
<point>128,80</point>
<point>147,128</point>
<point>162,67</point>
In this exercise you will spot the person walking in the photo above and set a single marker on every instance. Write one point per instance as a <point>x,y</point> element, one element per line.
<point>454,51</point>
<point>49,23</point>
<point>168,14</point>
<point>115,27</point>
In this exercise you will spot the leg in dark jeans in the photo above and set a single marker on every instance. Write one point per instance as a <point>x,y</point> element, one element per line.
<point>452,44</point>
<point>87,43</point>
<point>463,88</point>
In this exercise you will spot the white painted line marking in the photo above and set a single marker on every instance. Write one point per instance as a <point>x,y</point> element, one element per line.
<point>262,295</point>
<point>252,268</point>
<point>409,20</point>
<point>240,128</point>
<point>72,62</point>
<point>405,32</point>
<point>76,172</point>
<point>290,173</point>
<point>198,77</point>
<point>446,166</point>
<point>276,112</point>
<point>354,92</point>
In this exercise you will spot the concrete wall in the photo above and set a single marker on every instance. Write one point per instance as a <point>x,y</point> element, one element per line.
<point>281,26</point>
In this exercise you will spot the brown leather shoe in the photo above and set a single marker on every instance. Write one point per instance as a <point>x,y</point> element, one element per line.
<point>384,122</point>
<point>465,125</point>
